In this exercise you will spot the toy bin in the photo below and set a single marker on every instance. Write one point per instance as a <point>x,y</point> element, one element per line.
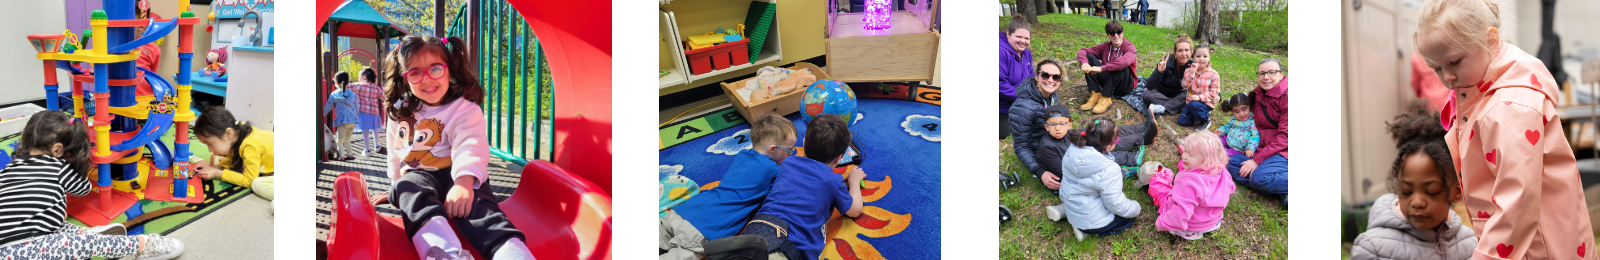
<point>718,57</point>
<point>906,51</point>
<point>12,119</point>
<point>781,105</point>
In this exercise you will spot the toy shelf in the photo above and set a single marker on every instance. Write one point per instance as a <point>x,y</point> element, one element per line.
<point>771,51</point>
<point>907,51</point>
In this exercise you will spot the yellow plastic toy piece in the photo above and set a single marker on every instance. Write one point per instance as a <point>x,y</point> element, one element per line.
<point>706,40</point>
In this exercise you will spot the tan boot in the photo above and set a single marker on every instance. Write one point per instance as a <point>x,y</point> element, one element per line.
<point>1105,102</point>
<point>1094,97</point>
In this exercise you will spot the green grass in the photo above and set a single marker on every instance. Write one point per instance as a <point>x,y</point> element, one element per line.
<point>1254,226</point>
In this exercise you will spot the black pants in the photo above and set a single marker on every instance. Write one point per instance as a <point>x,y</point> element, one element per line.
<point>1127,151</point>
<point>1115,83</point>
<point>776,235</point>
<point>1174,103</point>
<point>420,196</point>
<point>1005,125</point>
<point>1117,225</point>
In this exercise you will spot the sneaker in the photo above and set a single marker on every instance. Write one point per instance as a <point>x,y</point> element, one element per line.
<point>114,229</point>
<point>157,247</point>
<point>1077,233</point>
<point>1157,109</point>
<point>1053,213</point>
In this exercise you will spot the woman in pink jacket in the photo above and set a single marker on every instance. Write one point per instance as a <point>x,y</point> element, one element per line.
<point>1192,204</point>
<point>1516,168</point>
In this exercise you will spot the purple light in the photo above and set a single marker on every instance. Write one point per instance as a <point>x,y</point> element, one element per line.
<point>877,15</point>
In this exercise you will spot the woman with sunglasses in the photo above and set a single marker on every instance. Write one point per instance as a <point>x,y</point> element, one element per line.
<point>439,164</point>
<point>1028,118</point>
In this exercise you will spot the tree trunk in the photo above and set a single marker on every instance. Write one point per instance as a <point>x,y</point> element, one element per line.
<point>1043,6</point>
<point>1205,29</point>
<point>1029,10</point>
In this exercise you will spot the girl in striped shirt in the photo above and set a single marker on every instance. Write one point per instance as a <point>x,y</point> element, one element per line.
<point>53,160</point>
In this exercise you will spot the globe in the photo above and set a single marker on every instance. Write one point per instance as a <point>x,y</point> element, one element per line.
<point>829,97</point>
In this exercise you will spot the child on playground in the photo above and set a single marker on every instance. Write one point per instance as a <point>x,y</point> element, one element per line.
<point>246,152</point>
<point>440,158</point>
<point>1240,131</point>
<point>370,97</point>
<point>1204,84</point>
<point>722,211</point>
<point>1191,203</point>
<point>342,102</point>
<point>1518,174</point>
<point>1091,189</point>
<point>806,192</point>
<point>1415,221</point>
<point>53,160</point>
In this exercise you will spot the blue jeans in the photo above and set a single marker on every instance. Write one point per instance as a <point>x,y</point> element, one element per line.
<point>1269,177</point>
<point>1195,113</point>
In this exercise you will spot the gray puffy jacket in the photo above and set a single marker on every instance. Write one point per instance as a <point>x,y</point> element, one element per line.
<point>1391,236</point>
<point>1091,189</point>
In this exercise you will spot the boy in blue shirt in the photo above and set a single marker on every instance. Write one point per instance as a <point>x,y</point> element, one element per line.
<point>722,211</point>
<point>806,193</point>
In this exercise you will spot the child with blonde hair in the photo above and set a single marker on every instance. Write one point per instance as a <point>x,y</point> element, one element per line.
<point>1191,203</point>
<point>1517,171</point>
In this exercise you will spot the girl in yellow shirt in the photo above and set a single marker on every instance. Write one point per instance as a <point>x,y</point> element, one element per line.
<point>246,151</point>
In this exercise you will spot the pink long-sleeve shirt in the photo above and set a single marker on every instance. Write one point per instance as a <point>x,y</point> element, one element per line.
<point>1516,169</point>
<point>1196,202</point>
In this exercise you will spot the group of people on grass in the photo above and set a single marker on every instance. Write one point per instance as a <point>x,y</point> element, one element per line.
<point>1086,165</point>
<point>772,203</point>
<point>1493,152</point>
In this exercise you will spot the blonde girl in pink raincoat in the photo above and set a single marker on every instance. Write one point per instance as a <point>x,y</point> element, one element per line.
<point>1517,171</point>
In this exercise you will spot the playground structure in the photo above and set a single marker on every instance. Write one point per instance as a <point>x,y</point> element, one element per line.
<point>112,95</point>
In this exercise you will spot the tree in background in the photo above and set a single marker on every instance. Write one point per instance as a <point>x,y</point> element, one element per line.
<point>1029,9</point>
<point>1206,28</point>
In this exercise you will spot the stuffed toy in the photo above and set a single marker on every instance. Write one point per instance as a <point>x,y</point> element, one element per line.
<point>215,67</point>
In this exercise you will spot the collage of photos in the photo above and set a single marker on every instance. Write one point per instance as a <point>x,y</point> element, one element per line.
<point>1482,144</point>
<point>811,142</point>
<point>1124,130</point>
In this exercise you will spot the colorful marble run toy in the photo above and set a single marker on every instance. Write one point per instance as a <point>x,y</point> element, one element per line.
<point>112,94</point>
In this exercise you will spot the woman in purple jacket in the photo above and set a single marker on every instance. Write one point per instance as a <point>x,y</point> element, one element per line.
<point>1016,66</point>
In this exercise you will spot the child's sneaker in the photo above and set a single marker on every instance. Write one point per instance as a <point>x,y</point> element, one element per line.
<point>1077,233</point>
<point>1053,213</point>
<point>157,247</point>
<point>114,229</point>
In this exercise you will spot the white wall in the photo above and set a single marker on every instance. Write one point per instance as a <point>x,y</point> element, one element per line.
<point>23,72</point>
<point>1574,22</point>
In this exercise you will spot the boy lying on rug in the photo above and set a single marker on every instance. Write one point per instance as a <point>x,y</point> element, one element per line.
<point>722,211</point>
<point>806,192</point>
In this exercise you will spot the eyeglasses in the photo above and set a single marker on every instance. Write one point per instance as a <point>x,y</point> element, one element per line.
<point>435,72</point>
<point>1056,124</point>
<point>1270,72</point>
<point>1047,75</point>
<point>786,149</point>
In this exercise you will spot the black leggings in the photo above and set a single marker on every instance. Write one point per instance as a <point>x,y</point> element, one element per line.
<point>1005,125</point>
<point>420,195</point>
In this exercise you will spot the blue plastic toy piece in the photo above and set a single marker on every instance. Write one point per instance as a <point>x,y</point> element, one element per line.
<point>160,155</point>
<point>732,37</point>
<point>157,124</point>
<point>155,32</point>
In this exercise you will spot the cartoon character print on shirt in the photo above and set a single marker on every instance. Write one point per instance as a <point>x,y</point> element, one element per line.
<point>420,139</point>
<point>425,136</point>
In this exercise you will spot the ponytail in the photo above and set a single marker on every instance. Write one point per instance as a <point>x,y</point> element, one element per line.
<point>1097,134</point>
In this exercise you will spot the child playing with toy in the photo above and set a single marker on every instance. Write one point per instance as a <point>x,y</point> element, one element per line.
<point>1203,83</point>
<point>806,192</point>
<point>53,160</point>
<point>1091,191</point>
<point>1518,172</point>
<point>1415,221</point>
<point>246,152</point>
<point>1108,68</point>
<point>722,211</point>
<point>1240,130</point>
<point>370,96</point>
<point>1191,203</point>
<point>342,102</point>
<point>439,166</point>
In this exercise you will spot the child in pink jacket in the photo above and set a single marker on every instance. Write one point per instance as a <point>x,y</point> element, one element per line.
<point>1517,171</point>
<point>1192,204</point>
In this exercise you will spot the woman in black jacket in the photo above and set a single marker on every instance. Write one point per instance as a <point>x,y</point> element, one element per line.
<point>1164,88</point>
<point>1028,114</point>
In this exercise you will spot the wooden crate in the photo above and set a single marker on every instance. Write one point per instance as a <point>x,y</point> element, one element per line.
<point>781,105</point>
<point>908,51</point>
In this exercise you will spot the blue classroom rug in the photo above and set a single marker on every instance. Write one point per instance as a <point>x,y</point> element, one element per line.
<point>899,134</point>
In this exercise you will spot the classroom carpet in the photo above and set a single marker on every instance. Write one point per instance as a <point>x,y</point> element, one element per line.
<point>503,179</point>
<point>161,217</point>
<point>898,131</point>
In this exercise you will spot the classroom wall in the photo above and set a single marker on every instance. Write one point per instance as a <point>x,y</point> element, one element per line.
<point>800,25</point>
<point>23,72</point>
